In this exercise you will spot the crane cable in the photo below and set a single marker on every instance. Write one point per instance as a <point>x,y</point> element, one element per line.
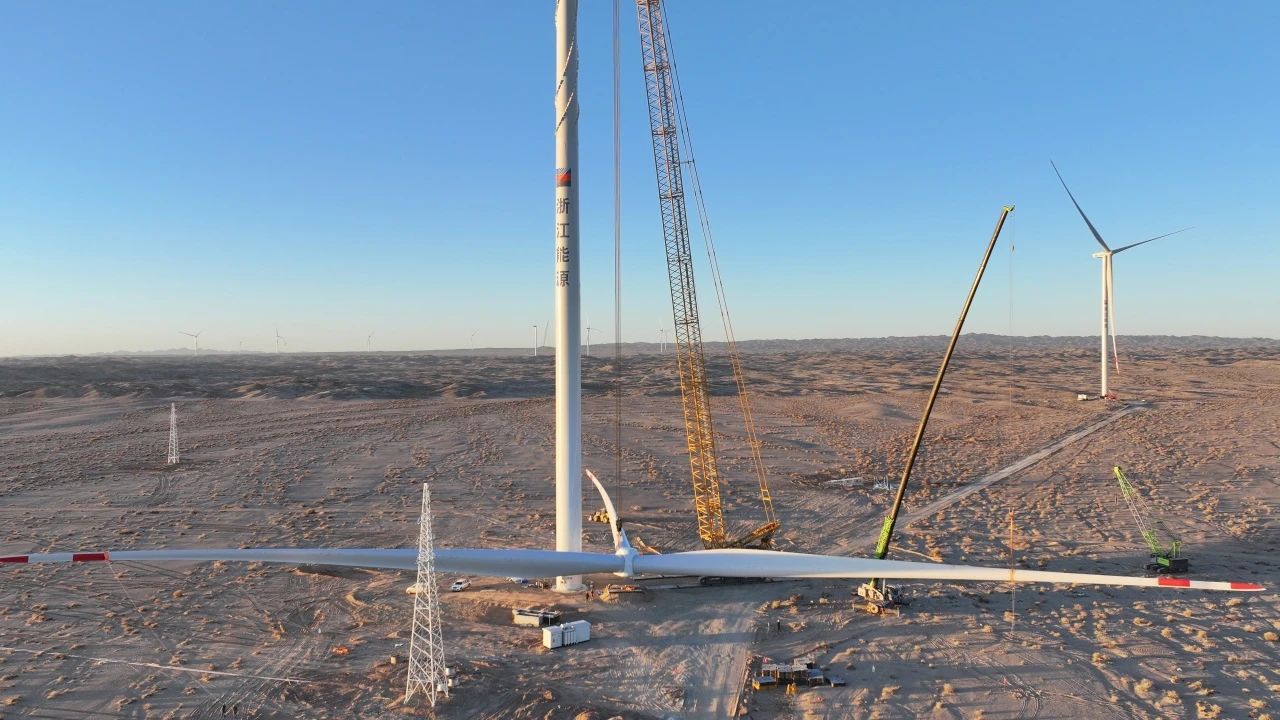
<point>617,248</point>
<point>731,343</point>
<point>1008,419</point>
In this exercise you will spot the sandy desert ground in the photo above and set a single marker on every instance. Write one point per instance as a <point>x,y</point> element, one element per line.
<point>332,449</point>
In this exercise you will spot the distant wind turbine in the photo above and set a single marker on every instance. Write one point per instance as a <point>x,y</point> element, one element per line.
<point>368,341</point>
<point>279,340</point>
<point>1108,283</point>
<point>195,338</point>
<point>473,339</point>
<point>545,327</point>
<point>588,340</point>
<point>535,340</point>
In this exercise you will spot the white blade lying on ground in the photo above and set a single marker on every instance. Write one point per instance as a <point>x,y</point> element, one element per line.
<point>768,563</point>
<point>549,563</point>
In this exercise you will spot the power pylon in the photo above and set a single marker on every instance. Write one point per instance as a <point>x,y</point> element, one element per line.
<point>427,671</point>
<point>173,434</point>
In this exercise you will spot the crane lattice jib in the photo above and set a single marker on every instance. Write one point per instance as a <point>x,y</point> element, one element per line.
<point>660,93</point>
<point>1137,509</point>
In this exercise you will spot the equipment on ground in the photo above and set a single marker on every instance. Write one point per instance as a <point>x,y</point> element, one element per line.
<point>879,595</point>
<point>535,617</point>
<point>667,125</point>
<point>571,633</point>
<point>613,591</point>
<point>1164,559</point>
<point>794,673</point>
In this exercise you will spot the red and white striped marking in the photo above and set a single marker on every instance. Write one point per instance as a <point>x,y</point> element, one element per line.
<point>1185,583</point>
<point>58,557</point>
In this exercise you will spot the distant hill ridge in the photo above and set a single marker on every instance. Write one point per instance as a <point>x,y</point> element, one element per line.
<point>979,341</point>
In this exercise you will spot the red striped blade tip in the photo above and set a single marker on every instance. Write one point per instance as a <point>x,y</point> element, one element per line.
<point>89,557</point>
<point>1254,587</point>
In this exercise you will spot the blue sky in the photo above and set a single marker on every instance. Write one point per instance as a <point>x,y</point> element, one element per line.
<point>337,169</point>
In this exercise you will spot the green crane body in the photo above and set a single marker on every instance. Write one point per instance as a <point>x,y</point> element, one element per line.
<point>1165,559</point>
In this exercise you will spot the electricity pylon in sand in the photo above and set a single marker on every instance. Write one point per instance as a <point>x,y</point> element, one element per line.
<point>173,434</point>
<point>427,671</point>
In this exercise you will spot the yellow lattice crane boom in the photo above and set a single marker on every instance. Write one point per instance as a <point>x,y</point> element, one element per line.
<point>665,123</point>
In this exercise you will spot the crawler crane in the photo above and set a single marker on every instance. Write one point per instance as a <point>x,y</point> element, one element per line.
<point>666,123</point>
<point>1163,559</point>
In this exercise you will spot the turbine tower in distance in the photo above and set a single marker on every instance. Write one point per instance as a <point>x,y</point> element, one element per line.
<point>279,340</point>
<point>1108,283</point>
<point>195,337</point>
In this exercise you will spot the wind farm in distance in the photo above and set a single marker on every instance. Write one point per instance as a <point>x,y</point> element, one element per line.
<point>362,366</point>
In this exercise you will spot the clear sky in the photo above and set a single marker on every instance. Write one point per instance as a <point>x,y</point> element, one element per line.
<point>338,168</point>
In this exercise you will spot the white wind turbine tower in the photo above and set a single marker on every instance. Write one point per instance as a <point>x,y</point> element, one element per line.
<point>195,338</point>
<point>588,340</point>
<point>368,342</point>
<point>1108,283</point>
<point>535,340</point>
<point>279,340</point>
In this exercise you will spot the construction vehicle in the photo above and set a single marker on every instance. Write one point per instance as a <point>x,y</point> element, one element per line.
<point>666,125</point>
<point>1164,559</point>
<point>881,597</point>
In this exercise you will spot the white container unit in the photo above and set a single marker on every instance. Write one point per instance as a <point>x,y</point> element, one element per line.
<point>570,633</point>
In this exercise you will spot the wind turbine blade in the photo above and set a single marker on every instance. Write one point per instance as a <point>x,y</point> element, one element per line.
<point>500,562</point>
<point>768,563</point>
<point>1111,310</point>
<point>473,561</point>
<point>1080,210</point>
<point>608,506</point>
<point>1144,242</point>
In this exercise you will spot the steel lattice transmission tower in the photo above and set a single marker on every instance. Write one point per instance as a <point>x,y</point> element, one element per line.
<point>173,434</point>
<point>427,671</point>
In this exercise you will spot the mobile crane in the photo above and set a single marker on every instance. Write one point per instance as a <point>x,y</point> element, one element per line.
<point>880,596</point>
<point>666,124</point>
<point>1164,559</point>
